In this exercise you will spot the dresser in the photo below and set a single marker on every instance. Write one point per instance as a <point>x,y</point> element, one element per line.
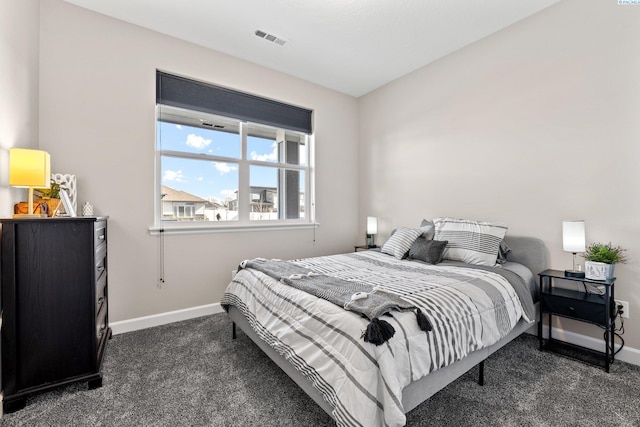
<point>54,302</point>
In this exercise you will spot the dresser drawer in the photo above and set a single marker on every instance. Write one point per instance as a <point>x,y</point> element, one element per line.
<point>100,232</point>
<point>101,322</point>
<point>101,295</point>
<point>101,265</point>
<point>590,311</point>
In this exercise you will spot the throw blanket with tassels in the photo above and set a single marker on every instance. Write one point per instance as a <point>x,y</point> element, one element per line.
<point>358,297</point>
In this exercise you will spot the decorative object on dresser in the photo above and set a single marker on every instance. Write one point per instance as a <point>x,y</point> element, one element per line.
<point>66,202</point>
<point>30,169</point>
<point>67,182</point>
<point>573,240</point>
<point>51,197</point>
<point>87,209</point>
<point>372,230</point>
<point>55,323</point>
<point>600,260</point>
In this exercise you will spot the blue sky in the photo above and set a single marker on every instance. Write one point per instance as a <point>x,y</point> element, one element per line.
<point>205,178</point>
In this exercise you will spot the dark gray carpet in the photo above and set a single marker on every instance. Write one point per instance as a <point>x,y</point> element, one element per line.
<point>192,373</point>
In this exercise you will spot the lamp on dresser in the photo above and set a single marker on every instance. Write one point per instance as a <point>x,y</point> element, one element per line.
<point>30,169</point>
<point>574,241</point>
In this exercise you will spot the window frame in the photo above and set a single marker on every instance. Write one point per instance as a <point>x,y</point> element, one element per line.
<point>244,189</point>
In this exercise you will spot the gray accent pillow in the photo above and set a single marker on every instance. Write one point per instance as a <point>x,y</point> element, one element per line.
<point>429,251</point>
<point>503,251</point>
<point>428,229</point>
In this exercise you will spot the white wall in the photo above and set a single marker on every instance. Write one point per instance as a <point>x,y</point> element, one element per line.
<point>97,120</point>
<point>532,125</point>
<point>18,89</point>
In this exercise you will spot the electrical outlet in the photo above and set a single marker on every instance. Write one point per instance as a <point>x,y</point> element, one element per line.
<point>625,308</point>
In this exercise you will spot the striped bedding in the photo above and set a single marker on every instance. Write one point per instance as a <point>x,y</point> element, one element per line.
<point>469,308</point>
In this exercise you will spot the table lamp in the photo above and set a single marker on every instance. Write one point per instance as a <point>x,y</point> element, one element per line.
<point>30,169</point>
<point>372,230</point>
<point>573,240</point>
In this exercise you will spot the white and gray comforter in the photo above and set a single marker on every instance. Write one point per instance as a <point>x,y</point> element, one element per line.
<point>469,309</point>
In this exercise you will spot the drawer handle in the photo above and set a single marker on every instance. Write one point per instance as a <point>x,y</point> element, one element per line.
<point>100,301</point>
<point>571,309</point>
<point>100,268</point>
<point>101,237</point>
<point>101,332</point>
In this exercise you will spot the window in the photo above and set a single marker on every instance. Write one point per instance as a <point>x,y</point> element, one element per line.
<point>215,170</point>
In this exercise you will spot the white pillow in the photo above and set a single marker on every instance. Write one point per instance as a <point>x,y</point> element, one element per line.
<point>473,242</point>
<point>428,229</point>
<point>400,242</point>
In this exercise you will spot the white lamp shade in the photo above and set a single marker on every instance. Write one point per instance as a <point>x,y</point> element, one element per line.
<point>573,236</point>
<point>29,168</point>
<point>372,225</point>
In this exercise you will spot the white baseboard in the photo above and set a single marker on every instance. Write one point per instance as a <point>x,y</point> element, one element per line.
<point>627,354</point>
<point>164,318</point>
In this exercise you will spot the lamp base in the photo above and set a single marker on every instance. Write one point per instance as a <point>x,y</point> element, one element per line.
<point>574,273</point>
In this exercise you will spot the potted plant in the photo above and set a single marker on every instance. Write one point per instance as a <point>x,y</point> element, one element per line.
<point>600,260</point>
<point>50,196</point>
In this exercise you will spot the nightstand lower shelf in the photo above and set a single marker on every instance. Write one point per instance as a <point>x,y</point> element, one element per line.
<point>575,352</point>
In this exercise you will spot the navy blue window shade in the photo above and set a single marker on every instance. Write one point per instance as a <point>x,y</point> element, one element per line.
<point>193,95</point>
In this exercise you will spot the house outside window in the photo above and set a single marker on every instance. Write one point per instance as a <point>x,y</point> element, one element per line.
<point>182,206</point>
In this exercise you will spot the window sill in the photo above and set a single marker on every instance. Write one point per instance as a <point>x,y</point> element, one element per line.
<point>199,229</point>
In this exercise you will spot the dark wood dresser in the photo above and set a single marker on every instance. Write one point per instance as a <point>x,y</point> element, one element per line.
<point>54,302</point>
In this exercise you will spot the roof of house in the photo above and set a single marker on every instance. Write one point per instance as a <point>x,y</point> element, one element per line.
<point>172,195</point>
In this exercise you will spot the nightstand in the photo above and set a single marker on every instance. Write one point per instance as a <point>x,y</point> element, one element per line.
<point>581,305</point>
<point>364,248</point>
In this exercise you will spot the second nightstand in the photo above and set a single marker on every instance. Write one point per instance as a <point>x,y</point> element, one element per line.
<point>583,306</point>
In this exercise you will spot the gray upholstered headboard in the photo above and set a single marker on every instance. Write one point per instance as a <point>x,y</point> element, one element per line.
<point>529,251</point>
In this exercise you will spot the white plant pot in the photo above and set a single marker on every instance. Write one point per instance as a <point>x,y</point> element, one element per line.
<point>598,270</point>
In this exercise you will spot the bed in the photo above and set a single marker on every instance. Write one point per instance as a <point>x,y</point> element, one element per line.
<point>320,345</point>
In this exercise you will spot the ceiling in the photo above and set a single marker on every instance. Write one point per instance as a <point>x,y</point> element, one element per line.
<point>351,46</point>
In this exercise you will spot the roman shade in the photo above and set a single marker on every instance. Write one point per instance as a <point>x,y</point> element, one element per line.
<point>185,93</point>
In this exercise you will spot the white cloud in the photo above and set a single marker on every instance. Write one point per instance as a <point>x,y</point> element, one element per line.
<point>179,127</point>
<point>197,141</point>
<point>176,176</point>
<point>224,167</point>
<point>269,157</point>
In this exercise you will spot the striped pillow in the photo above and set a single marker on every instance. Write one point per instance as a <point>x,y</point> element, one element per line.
<point>473,242</point>
<point>400,241</point>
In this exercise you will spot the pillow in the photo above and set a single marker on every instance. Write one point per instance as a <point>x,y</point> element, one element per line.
<point>428,228</point>
<point>400,241</point>
<point>503,251</point>
<point>429,251</point>
<point>473,242</point>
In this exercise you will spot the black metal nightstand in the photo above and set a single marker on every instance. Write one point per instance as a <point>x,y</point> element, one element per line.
<point>364,248</point>
<point>584,306</point>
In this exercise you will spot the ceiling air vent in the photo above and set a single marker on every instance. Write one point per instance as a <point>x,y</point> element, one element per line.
<point>270,37</point>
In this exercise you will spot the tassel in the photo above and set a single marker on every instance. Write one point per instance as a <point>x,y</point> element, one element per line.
<point>423,322</point>
<point>378,332</point>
